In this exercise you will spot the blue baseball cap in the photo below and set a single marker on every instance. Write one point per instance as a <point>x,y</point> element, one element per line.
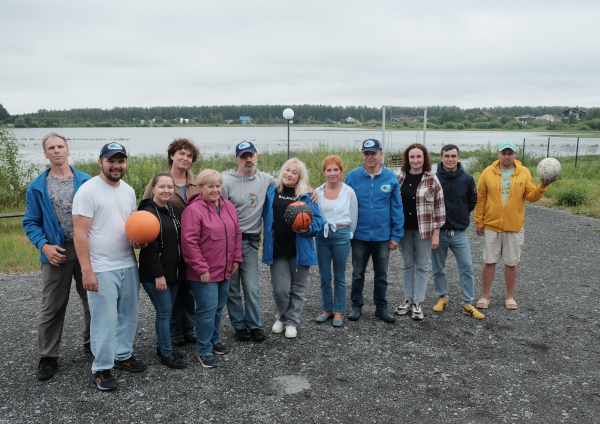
<point>371,145</point>
<point>112,148</point>
<point>507,144</point>
<point>243,147</point>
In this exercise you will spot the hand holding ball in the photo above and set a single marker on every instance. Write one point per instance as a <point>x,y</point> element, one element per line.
<point>298,216</point>
<point>142,227</point>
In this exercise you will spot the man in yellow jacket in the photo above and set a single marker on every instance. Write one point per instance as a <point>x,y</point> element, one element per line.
<point>500,217</point>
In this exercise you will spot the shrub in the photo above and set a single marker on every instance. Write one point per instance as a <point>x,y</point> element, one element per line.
<point>571,195</point>
<point>556,126</point>
<point>482,125</point>
<point>14,174</point>
<point>468,124</point>
<point>460,126</point>
<point>450,125</point>
<point>494,124</point>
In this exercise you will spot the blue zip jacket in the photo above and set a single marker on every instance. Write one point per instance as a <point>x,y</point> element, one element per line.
<point>40,222</point>
<point>305,245</point>
<point>380,215</point>
<point>460,196</point>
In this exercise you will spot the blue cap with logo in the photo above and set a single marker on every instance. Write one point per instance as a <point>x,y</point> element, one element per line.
<point>507,144</point>
<point>371,145</point>
<point>112,148</point>
<point>243,147</point>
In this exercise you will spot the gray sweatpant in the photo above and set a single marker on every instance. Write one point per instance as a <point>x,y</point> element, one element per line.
<point>289,288</point>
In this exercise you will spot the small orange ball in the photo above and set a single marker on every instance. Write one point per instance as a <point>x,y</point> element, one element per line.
<point>142,227</point>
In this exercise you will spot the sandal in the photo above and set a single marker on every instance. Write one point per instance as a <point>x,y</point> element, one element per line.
<point>511,304</point>
<point>483,303</point>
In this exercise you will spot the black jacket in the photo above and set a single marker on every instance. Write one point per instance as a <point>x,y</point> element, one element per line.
<point>460,196</point>
<point>163,256</point>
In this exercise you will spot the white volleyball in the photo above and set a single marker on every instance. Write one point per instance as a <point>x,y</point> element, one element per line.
<point>549,168</point>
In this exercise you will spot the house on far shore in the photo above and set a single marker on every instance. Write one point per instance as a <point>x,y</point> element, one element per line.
<point>353,120</point>
<point>372,121</point>
<point>484,113</point>
<point>574,110</point>
<point>525,118</point>
<point>246,120</point>
<point>311,119</point>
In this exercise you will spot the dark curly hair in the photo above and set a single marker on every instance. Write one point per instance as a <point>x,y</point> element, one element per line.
<point>426,162</point>
<point>180,144</point>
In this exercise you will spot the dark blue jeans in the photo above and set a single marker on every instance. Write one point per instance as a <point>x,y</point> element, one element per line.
<point>163,305</point>
<point>210,301</point>
<point>361,252</point>
<point>184,310</point>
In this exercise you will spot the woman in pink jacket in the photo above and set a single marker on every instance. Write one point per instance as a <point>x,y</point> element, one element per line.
<point>211,241</point>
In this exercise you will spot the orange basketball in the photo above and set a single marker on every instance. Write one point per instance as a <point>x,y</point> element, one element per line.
<point>142,227</point>
<point>299,216</point>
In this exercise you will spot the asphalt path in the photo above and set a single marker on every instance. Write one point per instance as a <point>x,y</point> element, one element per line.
<point>539,363</point>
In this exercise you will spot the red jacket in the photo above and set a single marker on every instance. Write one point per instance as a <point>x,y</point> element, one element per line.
<point>211,240</point>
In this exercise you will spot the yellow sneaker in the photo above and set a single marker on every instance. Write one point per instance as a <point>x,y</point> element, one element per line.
<point>470,310</point>
<point>442,303</point>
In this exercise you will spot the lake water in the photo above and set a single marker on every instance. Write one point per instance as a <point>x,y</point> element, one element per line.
<point>85,143</point>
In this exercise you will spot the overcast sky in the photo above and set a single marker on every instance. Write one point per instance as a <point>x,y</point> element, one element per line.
<point>68,54</point>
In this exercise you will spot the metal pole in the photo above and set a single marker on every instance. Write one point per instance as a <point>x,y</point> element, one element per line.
<point>424,125</point>
<point>577,152</point>
<point>548,151</point>
<point>383,130</point>
<point>523,157</point>
<point>288,138</point>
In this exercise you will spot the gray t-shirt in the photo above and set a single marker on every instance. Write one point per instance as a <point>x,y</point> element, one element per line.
<point>109,207</point>
<point>61,195</point>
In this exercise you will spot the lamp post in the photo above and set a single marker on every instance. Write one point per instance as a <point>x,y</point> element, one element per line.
<point>288,114</point>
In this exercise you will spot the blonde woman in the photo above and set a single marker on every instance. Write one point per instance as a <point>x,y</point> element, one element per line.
<point>289,254</point>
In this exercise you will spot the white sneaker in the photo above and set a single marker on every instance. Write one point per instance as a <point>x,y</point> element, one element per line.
<point>290,332</point>
<point>277,327</point>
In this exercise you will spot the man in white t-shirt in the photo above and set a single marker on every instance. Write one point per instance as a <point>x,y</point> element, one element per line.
<point>108,265</point>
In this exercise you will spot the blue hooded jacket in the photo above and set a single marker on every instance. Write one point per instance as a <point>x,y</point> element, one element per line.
<point>40,222</point>
<point>305,245</point>
<point>380,214</point>
<point>460,196</point>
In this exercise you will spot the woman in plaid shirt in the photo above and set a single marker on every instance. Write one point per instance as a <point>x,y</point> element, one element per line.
<point>424,215</point>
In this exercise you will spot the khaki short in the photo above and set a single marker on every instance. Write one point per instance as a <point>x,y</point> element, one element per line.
<point>502,245</point>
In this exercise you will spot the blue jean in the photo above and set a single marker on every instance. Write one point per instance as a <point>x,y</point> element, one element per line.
<point>459,244</point>
<point>163,306</point>
<point>336,248</point>
<point>114,310</point>
<point>210,301</point>
<point>184,310</point>
<point>415,264</point>
<point>245,278</point>
<point>361,251</point>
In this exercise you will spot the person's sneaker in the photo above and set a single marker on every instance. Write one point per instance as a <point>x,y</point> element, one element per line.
<point>189,338</point>
<point>46,368</point>
<point>243,335</point>
<point>355,314</point>
<point>404,309</point>
<point>278,327</point>
<point>131,365</point>
<point>290,332</point>
<point>87,348</point>
<point>258,335</point>
<point>470,310</point>
<point>219,349</point>
<point>175,353</point>
<point>383,315</point>
<point>417,312</point>
<point>442,303</point>
<point>104,380</point>
<point>178,341</point>
<point>207,361</point>
<point>172,361</point>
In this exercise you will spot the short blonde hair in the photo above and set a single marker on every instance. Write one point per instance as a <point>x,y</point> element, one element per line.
<point>209,176</point>
<point>302,185</point>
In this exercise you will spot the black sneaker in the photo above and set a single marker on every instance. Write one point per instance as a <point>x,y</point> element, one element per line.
<point>178,341</point>
<point>87,348</point>
<point>104,380</point>
<point>207,361</point>
<point>175,353</point>
<point>190,338</point>
<point>172,361</point>
<point>258,335</point>
<point>46,368</point>
<point>131,365</point>
<point>219,349</point>
<point>243,335</point>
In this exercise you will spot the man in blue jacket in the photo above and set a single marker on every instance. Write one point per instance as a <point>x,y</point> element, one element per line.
<point>48,224</point>
<point>379,230</point>
<point>460,197</point>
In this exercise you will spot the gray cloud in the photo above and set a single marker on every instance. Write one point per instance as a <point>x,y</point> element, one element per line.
<point>62,54</point>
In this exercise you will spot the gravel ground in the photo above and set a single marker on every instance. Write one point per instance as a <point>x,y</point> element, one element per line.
<point>539,363</point>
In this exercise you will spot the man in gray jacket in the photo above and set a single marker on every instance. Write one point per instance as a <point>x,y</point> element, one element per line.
<point>247,188</point>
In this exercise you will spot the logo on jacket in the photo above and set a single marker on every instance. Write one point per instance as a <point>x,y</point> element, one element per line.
<point>386,188</point>
<point>243,145</point>
<point>253,199</point>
